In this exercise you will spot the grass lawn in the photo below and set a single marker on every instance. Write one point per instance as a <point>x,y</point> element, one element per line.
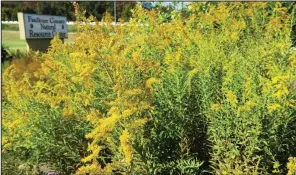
<point>11,39</point>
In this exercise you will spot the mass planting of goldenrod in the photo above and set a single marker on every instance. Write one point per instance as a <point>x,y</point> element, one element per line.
<point>209,90</point>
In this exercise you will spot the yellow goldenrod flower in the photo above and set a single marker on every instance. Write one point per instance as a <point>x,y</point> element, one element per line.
<point>234,36</point>
<point>274,107</point>
<point>215,107</point>
<point>291,165</point>
<point>151,81</point>
<point>125,146</point>
<point>231,98</point>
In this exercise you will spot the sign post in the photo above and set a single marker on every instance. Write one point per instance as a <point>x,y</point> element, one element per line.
<point>38,30</point>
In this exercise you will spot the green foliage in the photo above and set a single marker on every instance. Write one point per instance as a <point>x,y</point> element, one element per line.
<point>209,91</point>
<point>9,9</point>
<point>4,55</point>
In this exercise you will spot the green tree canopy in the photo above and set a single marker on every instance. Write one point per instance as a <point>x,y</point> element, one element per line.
<point>9,10</point>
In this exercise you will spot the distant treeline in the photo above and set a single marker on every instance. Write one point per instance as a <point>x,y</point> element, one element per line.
<point>9,10</point>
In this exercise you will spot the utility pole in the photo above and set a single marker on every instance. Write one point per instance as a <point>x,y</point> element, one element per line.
<point>114,12</point>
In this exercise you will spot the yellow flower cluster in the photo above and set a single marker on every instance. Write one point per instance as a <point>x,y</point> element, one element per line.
<point>236,57</point>
<point>126,146</point>
<point>215,107</point>
<point>274,107</point>
<point>291,166</point>
<point>280,84</point>
<point>151,81</point>
<point>231,98</point>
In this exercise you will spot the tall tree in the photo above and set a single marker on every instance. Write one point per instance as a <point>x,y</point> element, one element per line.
<point>9,9</point>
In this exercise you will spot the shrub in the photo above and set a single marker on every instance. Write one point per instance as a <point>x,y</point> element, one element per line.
<point>207,91</point>
<point>4,55</point>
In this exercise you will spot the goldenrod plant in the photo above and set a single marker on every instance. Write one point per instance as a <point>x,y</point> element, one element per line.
<point>208,91</point>
<point>291,166</point>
